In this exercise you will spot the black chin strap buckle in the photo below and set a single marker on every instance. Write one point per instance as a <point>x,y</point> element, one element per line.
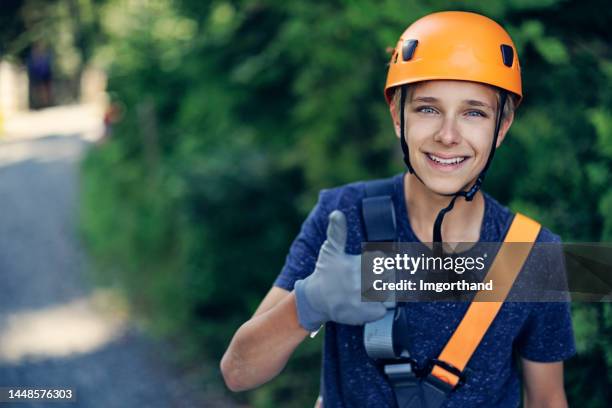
<point>471,193</point>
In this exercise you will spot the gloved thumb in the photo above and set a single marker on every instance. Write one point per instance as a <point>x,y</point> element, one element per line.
<point>336,230</point>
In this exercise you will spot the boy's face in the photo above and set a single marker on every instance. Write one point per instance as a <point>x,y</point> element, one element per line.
<point>449,131</point>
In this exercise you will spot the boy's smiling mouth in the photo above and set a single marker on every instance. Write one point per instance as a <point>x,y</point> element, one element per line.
<point>446,162</point>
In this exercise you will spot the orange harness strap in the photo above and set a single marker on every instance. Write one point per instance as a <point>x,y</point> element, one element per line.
<point>481,312</point>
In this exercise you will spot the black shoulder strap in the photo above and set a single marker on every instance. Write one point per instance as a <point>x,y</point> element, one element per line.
<point>378,215</point>
<point>378,211</point>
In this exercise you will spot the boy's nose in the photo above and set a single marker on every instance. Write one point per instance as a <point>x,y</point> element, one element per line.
<point>448,134</point>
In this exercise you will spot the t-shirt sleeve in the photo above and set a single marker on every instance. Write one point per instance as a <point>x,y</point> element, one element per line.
<point>548,335</point>
<point>304,251</point>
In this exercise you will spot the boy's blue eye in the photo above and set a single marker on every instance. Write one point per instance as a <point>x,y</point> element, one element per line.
<point>476,113</point>
<point>427,109</point>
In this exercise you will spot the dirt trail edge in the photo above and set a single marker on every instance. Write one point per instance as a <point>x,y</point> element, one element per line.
<point>53,328</point>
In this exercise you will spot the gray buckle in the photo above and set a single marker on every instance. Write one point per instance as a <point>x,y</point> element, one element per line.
<point>378,337</point>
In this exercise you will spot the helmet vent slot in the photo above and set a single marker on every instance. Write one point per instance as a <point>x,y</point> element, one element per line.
<point>408,49</point>
<point>507,55</point>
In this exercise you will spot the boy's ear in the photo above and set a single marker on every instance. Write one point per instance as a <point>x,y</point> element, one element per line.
<point>503,129</point>
<point>396,120</point>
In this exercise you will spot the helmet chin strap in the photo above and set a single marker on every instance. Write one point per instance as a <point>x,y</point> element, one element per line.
<point>468,195</point>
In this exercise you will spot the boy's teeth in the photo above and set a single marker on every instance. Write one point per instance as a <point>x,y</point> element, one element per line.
<point>440,160</point>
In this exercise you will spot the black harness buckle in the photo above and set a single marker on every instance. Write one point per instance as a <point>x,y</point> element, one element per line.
<point>416,388</point>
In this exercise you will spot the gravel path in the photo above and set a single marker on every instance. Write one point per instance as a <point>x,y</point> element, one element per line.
<point>55,330</point>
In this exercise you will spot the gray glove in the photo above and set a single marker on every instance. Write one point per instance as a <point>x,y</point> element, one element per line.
<point>333,291</point>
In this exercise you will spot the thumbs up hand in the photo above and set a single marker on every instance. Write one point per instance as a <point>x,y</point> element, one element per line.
<point>333,291</point>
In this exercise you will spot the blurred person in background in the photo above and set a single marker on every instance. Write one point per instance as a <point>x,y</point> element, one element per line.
<point>112,115</point>
<point>40,73</point>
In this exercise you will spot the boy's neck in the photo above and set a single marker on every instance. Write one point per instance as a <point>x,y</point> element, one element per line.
<point>462,224</point>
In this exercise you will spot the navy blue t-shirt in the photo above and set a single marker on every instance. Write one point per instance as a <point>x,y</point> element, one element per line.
<point>536,331</point>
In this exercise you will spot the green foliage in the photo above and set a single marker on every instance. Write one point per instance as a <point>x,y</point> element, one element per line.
<point>239,112</point>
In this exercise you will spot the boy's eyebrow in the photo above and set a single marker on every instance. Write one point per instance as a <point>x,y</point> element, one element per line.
<point>428,99</point>
<point>474,102</point>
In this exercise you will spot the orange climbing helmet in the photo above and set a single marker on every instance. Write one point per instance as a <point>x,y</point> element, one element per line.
<point>455,45</point>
